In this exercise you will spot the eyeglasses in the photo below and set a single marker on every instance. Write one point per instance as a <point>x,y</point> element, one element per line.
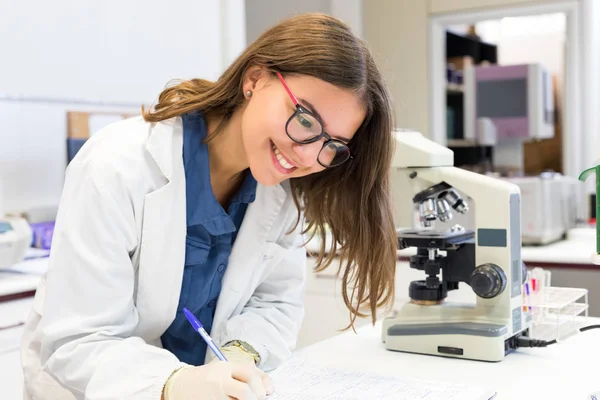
<point>304,128</point>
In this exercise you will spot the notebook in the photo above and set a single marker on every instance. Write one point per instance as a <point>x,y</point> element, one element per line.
<point>300,380</point>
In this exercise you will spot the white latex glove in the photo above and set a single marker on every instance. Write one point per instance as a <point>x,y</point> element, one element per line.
<point>237,355</point>
<point>216,381</point>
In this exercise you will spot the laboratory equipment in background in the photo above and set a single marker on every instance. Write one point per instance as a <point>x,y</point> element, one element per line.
<point>43,233</point>
<point>548,207</point>
<point>517,99</point>
<point>517,103</point>
<point>486,259</point>
<point>499,115</point>
<point>15,238</point>
<point>41,220</point>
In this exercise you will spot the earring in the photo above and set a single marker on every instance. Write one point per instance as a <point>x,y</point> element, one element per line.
<point>248,93</point>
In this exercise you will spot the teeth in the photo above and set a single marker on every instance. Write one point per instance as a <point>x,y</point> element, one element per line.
<point>281,159</point>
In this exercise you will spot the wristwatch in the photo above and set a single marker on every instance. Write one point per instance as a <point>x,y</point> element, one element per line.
<point>246,348</point>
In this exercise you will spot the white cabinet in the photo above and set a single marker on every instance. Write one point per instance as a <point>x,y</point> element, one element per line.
<point>11,374</point>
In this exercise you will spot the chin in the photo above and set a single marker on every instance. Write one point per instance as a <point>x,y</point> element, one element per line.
<point>269,181</point>
<point>264,176</point>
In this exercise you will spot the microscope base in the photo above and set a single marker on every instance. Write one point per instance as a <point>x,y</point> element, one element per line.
<point>480,348</point>
<point>448,330</point>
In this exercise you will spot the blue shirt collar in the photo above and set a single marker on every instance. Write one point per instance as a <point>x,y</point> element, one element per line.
<point>247,192</point>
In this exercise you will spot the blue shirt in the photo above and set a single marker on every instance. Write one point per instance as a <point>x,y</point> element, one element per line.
<point>211,232</point>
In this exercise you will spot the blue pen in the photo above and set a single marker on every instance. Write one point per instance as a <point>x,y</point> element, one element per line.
<point>200,329</point>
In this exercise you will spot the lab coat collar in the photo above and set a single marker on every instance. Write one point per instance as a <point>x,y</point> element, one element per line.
<point>161,145</point>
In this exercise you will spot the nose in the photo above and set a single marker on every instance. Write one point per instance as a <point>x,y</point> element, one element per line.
<point>308,153</point>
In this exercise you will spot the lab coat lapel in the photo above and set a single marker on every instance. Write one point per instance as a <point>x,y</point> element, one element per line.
<point>162,256</point>
<point>246,258</point>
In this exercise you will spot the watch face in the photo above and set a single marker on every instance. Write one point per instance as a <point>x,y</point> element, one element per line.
<point>245,348</point>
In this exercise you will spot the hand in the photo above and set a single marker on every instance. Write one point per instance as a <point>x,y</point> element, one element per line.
<point>237,355</point>
<point>216,381</point>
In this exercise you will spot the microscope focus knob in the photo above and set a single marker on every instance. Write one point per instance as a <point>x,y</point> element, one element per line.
<point>488,281</point>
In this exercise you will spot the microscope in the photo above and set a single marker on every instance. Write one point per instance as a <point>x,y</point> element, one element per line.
<point>485,259</point>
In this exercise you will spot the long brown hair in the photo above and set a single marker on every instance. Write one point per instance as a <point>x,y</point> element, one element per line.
<point>351,201</point>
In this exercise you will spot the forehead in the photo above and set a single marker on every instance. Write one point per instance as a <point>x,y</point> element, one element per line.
<point>342,110</point>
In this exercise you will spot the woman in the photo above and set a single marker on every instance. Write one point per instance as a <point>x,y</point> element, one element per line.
<point>201,204</point>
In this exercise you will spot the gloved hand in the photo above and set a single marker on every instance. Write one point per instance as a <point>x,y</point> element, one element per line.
<point>216,381</point>
<point>237,355</point>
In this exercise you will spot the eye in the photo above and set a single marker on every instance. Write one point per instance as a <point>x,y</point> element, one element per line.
<point>305,122</point>
<point>332,146</point>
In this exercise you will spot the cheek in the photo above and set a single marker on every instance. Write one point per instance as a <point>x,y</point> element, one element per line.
<point>261,122</point>
<point>250,124</point>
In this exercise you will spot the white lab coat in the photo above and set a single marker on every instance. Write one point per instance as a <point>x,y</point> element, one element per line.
<point>117,264</point>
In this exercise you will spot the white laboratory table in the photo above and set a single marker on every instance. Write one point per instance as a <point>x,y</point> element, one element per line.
<point>564,371</point>
<point>21,279</point>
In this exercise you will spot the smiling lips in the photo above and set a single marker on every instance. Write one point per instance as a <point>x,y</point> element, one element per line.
<point>282,164</point>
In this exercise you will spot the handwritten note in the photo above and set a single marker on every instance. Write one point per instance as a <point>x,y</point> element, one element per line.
<point>298,380</point>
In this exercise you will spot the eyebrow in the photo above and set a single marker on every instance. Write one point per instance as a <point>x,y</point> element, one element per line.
<point>314,111</point>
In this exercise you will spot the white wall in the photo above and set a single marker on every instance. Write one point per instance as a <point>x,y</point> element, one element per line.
<point>591,78</point>
<point>262,14</point>
<point>65,54</point>
<point>33,154</point>
<point>443,6</point>
<point>351,12</point>
<point>109,50</point>
<point>397,33</point>
<point>232,30</point>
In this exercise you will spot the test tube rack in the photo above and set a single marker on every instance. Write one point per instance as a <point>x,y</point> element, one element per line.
<point>557,312</point>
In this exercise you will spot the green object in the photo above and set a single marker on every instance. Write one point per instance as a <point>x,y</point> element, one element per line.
<point>584,175</point>
<point>450,123</point>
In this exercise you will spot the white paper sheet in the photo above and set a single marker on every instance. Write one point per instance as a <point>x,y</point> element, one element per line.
<point>298,380</point>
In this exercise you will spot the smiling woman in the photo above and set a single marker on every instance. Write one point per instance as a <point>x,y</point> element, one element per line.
<point>200,205</point>
<point>306,88</point>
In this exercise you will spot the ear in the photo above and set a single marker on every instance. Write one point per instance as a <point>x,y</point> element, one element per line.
<point>255,78</point>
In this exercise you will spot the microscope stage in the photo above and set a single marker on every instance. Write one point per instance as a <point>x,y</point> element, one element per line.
<point>427,238</point>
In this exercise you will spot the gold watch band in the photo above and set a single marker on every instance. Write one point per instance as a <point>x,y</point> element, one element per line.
<point>246,348</point>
